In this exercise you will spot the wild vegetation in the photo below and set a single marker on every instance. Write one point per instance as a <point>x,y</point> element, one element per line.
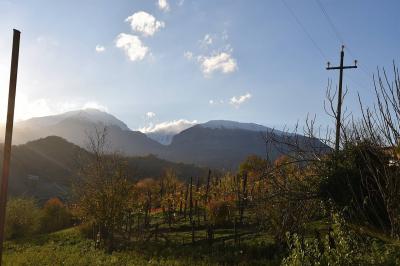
<point>309,207</point>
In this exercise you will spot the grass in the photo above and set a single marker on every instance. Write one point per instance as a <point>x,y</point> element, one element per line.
<point>68,247</point>
<point>172,247</point>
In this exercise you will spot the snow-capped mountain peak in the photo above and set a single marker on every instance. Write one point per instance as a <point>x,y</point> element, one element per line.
<point>226,124</point>
<point>91,115</point>
<point>165,132</point>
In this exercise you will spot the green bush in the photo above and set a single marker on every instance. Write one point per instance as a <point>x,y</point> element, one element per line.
<point>22,218</point>
<point>361,181</point>
<point>341,246</point>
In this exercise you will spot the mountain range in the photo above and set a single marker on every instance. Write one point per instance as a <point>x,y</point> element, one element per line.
<point>216,144</point>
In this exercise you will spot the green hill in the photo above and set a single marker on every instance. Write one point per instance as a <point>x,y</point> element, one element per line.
<point>48,167</point>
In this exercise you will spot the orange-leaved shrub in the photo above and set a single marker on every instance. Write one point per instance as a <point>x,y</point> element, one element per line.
<point>56,216</point>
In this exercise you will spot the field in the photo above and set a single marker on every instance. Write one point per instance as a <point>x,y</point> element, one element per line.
<point>69,247</point>
<point>172,246</point>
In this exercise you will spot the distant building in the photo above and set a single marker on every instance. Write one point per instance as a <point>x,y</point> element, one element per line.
<point>33,177</point>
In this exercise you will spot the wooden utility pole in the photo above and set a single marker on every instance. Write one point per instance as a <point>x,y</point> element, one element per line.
<point>8,137</point>
<point>340,97</point>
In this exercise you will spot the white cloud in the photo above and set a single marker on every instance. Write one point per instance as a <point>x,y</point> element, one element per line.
<point>27,106</point>
<point>150,114</point>
<point>47,41</point>
<point>180,2</point>
<point>188,55</point>
<point>173,127</point>
<point>132,45</point>
<point>163,5</point>
<point>207,40</point>
<point>145,23</point>
<point>237,101</point>
<point>222,62</point>
<point>100,48</point>
<point>94,105</point>
<point>216,102</point>
<point>228,48</point>
<point>224,35</point>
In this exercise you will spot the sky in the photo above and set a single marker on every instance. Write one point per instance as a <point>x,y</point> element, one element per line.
<point>161,62</point>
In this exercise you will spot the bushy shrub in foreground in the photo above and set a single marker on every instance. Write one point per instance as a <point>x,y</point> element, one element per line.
<point>22,218</point>
<point>341,246</point>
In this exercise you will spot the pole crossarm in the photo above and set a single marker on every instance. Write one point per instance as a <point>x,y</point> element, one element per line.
<point>344,67</point>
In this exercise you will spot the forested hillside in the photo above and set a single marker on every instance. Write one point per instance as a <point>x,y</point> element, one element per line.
<point>49,167</point>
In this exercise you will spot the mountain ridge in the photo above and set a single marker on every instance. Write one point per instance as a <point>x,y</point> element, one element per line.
<point>89,114</point>
<point>221,144</point>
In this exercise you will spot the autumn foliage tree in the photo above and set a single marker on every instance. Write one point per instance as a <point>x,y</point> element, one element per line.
<point>104,190</point>
<point>55,216</point>
<point>147,195</point>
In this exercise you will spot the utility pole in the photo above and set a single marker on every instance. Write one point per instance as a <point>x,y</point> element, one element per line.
<point>8,137</point>
<point>339,106</point>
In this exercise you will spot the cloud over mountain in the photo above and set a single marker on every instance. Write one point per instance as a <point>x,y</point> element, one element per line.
<point>238,100</point>
<point>174,126</point>
<point>165,131</point>
<point>150,114</point>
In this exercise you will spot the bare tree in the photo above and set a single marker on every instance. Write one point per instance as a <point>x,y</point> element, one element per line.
<point>380,128</point>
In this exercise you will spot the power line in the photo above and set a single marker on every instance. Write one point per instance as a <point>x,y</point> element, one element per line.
<point>360,85</point>
<point>339,36</point>
<point>321,7</point>
<point>305,30</point>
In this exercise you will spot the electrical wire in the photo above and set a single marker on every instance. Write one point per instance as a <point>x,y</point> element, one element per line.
<point>305,30</point>
<point>339,36</point>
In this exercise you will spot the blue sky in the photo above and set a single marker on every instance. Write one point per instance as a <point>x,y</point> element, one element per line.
<point>195,60</point>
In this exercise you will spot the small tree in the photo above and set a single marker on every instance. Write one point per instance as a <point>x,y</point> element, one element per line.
<point>290,198</point>
<point>147,197</point>
<point>170,197</point>
<point>221,212</point>
<point>56,216</point>
<point>104,190</point>
<point>22,219</point>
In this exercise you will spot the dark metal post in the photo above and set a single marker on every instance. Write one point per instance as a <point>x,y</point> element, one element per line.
<point>8,137</point>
